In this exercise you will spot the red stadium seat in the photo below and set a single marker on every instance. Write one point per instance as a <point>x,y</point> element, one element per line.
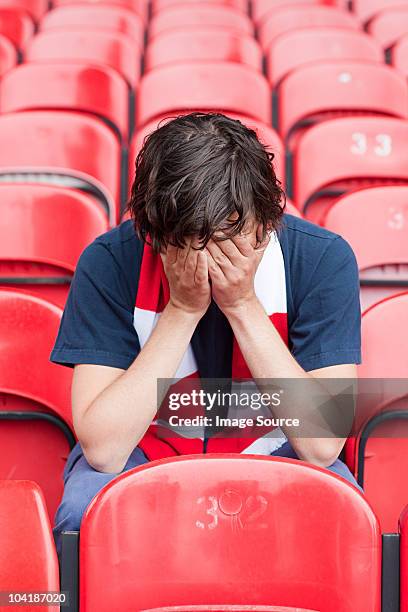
<point>367,9</point>
<point>8,55</point>
<point>35,8</point>
<point>35,415</point>
<point>400,55</point>
<point>91,16</point>
<point>266,134</point>
<point>62,148</point>
<point>261,8</point>
<point>221,86</point>
<point>43,231</point>
<point>192,515</point>
<point>188,16</point>
<point>105,47</point>
<point>403,529</point>
<point>343,154</point>
<point>28,560</point>
<point>16,25</point>
<point>389,25</point>
<point>203,44</point>
<point>379,450</point>
<point>297,48</point>
<point>78,86</point>
<point>381,249</point>
<point>159,5</point>
<point>293,17</point>
<point>226,609</point>
<point>324,90</point>
<point>138,7</point>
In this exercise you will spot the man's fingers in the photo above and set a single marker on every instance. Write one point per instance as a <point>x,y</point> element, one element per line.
<point>170,256</point>
<point>243,244</point>
<point>214,269</point>
<point>218,256</point>
<point>201,271</point>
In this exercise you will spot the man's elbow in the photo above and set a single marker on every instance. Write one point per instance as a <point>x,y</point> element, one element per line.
<point>322,453</point>
<point>103,460</point>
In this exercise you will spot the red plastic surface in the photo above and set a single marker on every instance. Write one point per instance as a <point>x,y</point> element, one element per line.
<point>266,134</point>
<point>113,49</point>
<point>297,48</point>
<point>160,5</point>
<point>400,55</point>
<point>16,25</point>
<point>34,450</point>
<point>203,44</point>
<point>403,528</point>
<point>8,55</point>
<point>136,6</point>
<point>286,18</point>
<point>35,8</point>
<point>367,9</point>
<point>78,86</point>
<point>325,90</point>
<point>220,86</point>
<point>109,17</point>
<point>203,15</point>
<point>222,530</point>
<point>43,231</point>
<point>28,561</point>
<point>349,153</point>
<point>262,8</point>
<point>63,143</point>
<point>389,25</point>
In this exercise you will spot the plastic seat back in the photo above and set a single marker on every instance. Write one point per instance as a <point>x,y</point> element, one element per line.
<point>203,44</point>
<point>16,25</point>
<point>297,48</point>
<point>262,8</point>
<point>400,55</point>
<point>192,515</point>
<point>160,5</point>
<point>35,8</point>
<point>325,90</point>
<point>53,147</point>
<point>79,86</point>
<point>381,249</point>
<point>35,416</point>
<point>343,154</point>
<point>28,560</point>
<point>113,49</point>
<point>367,9</point>
<point>403,529</point>
<point>389,25</point>
<point>140,8</point>
<point>8,55</point>
<point>43,231</point>
<point>218,86</point>
<point>203,15</point>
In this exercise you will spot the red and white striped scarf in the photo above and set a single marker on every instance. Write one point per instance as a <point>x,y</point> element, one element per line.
<point>152,297</point>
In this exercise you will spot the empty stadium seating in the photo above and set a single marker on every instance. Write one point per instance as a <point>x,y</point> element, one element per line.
<point>367,9</point>
<point>294,17</point>
<point>62,148</point>
<point>8,55</point>
<point>203,44</point>
<point>403,528</point>
<point>78,86</point>
<point>342,154</point>
<point>35,8</point>
<point>113,49</point>
<point>28,561</point>
<point>381,249</point>
<point>296,48</point>
<point>140,8</point>
<point>379,450</point>
<point>35,415</point>
<point>261,8</point>
<point>188,16</point>
<point>389,25</point>
<point>193,515</point>
<point>109,17</point>
<point>220,86</point>
<point>159,5</point>
<point>329,89</point>
<point>43,231</point>
<point>16,25</point>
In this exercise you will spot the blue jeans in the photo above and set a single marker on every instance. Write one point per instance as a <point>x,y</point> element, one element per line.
<point>82,483</point>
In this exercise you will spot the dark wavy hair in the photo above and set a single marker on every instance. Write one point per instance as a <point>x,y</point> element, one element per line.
<point>199,174</point>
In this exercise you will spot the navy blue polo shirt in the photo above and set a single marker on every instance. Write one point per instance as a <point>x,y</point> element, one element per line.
<point>323,304</point>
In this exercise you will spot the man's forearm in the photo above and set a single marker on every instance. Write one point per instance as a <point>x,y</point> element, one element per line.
<point>268,357</point>
<point>117,419</point>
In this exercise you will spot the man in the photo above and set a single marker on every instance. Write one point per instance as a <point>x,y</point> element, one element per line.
<point>241,291</point>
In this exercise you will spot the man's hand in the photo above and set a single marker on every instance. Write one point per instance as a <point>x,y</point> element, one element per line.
<point>187,272</point>
<point>232,265</point>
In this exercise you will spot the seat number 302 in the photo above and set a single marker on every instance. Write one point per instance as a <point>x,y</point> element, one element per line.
<point>382,145</point>
<point>233,510</point>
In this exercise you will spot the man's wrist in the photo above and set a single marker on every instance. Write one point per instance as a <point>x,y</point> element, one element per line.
<point>176,311</point>
<point>244,309</point>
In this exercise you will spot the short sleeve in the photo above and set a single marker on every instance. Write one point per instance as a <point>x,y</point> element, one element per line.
<point>97,324</point>
<point>326,329</point>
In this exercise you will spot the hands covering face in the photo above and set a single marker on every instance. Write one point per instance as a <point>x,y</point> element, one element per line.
<point>229,264</point>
